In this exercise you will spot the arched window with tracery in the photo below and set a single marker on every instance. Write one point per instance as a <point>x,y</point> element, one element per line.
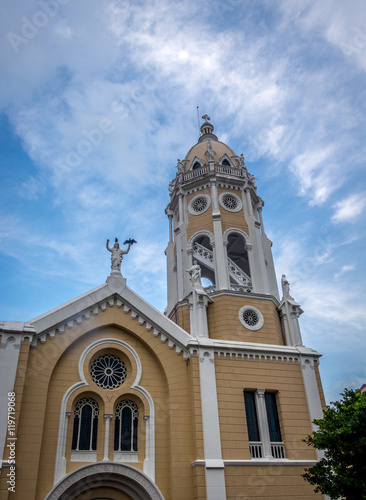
<point>84,437</point>
<point>125,427</point>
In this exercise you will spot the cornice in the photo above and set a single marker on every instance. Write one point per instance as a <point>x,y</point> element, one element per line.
<point>250,352</point>
<point>116,301</point>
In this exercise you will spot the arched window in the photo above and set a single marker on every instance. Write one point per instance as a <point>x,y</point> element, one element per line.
<point>85,431</point>
<point>203,253</point>
<point>125,427</point>
<point>196,165</point>
<point>238,259</point>
<point>226,162</point>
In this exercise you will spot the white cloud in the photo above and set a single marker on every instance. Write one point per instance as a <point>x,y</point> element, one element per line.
<point>345,269</point>
<point>348,209</point>
<point>309,270</point>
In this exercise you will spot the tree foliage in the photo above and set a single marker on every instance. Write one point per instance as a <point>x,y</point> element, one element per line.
<point>341,434</point>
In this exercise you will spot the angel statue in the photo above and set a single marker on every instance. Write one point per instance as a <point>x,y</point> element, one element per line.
<point>118,253</point>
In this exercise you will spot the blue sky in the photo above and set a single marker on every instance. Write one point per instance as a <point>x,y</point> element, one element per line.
<point>98,100</point>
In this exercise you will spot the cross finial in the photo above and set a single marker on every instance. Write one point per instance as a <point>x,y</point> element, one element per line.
<point>206,117</point>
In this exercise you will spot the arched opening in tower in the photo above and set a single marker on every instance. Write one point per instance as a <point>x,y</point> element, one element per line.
<point>238,261</point>
<point>203,254</point>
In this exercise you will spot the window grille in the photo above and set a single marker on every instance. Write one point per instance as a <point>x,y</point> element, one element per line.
<point>85,425</point>
<point>126,426</point>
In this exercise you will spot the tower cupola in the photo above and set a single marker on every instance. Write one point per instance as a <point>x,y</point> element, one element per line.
<point>207,130</point>
<point>215,218</point>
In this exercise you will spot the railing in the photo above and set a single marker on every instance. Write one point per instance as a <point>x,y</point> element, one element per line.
<point>195,173</point>
<point>203,252</point>
<point>223,169</point>
<point>256,449</point>
<point>278,450</point>
<point>238,273</point>
<point>219,169</point>
<point>206,255</point>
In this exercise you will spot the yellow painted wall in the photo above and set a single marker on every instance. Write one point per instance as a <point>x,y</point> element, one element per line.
<point>224,324</point>
<point>232,219</point>
<point>202,221</point>
<point>52,369</point>
<point>267,483</point>
<point>233,376</point>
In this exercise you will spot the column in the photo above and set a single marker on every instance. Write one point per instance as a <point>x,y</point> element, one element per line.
<point>263,423</point>
<point>108,417</point>
<point>220,261</point>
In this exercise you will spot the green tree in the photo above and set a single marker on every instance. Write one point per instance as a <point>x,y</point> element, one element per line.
<point>341,434</point>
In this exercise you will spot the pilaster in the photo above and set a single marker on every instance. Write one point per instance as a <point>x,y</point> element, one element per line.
<point>214,465</point>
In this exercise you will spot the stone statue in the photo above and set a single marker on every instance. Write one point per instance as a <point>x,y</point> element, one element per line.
<point>241,161</point>
<point>285,286</point>
<point>195,274</point>
<point>118,253</point>
<point>210,151</point>
<point>180,167</point>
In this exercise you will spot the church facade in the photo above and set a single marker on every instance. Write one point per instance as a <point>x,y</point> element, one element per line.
<point>105,397</point>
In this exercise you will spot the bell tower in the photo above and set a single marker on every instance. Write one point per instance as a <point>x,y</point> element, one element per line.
<point>215,217</point>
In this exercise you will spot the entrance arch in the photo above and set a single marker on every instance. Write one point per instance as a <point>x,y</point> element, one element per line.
<point>116,482</point>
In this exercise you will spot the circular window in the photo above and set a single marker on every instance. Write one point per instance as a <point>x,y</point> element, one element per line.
<point>108,371</point>
<point>199,204</point>
<point>251,318</point>
<point>230,202</point>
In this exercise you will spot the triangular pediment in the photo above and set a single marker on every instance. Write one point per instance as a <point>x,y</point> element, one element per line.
<point>114,293</point>
<point>194,163</point>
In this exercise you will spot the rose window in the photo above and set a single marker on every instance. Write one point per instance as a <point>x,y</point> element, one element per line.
<point>199,205</point>
<point>108,371</point>
<point>230,202</point>
<point>250,317</point>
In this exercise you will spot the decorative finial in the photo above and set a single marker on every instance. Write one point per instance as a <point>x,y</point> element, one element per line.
<point>207,130</point>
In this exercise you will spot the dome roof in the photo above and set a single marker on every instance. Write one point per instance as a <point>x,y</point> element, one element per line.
<point>199,150</point>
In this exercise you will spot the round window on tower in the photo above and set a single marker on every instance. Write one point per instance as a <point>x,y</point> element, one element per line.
<point>230,202</point>
<point>108,371</point>
<point>251,318</point>
<point>199,204</point>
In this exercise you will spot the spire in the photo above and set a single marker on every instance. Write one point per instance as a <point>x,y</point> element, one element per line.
<point>207,130</point>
